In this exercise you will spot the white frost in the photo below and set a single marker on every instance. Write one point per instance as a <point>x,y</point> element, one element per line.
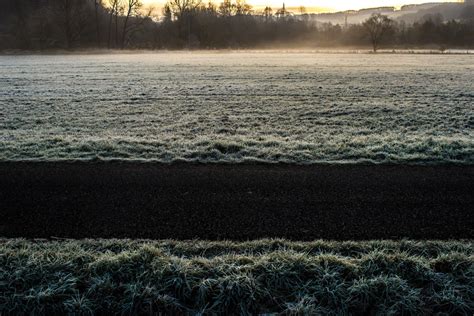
<point>238,106</point>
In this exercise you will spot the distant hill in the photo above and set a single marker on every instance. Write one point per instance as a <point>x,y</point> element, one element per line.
<point>448,11</point>
<point>407,13</point>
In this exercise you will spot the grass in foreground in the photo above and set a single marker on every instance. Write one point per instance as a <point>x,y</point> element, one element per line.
<point>267,276</point>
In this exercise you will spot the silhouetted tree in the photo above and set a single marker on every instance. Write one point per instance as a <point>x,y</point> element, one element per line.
<point>97,6</point>
<point>226,8</point>
<point>377,26</point>
<point>184,10</point>
<point>267,13</point>
<point>72,18</point>
<point>242,8</point>
<point>113,11</point>
<point>19,20</point>
<point>119,11</point>
<point>180,7</point>
<point>131,7</point>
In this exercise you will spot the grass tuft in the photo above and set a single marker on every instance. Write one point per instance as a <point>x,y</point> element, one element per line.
<point>140,277</point>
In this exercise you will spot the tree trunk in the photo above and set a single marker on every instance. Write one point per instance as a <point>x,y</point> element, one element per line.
<point>125,24</point>
<point>116,28</point>
<point>110,27</point>
<point>97,21</point>
<point>67,24</point>
<point>124,32</point>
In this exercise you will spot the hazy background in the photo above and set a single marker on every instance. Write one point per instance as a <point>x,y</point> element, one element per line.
<point>236,24</point>
<point>324,5</point>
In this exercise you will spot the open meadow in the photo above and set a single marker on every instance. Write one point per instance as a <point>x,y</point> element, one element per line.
<point>302,107</point>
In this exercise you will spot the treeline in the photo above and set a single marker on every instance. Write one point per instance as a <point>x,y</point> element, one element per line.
<point>127,24</point>
<point>69,24</point>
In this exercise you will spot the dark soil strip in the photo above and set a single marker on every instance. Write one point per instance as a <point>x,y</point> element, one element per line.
<point>184,201</point>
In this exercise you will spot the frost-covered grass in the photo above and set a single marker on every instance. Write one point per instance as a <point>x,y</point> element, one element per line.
<point>267,276</point>
<point>240,106</point>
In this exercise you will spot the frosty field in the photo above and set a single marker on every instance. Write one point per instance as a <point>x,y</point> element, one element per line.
<point>238,106</point>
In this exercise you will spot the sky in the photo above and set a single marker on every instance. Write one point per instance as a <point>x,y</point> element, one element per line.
<point>324,5</point>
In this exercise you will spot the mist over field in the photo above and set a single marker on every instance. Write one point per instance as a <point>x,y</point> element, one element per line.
<point>234,107</point>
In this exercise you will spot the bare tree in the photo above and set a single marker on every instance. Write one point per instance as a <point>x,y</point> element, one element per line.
<point>42,27</point>
<point>111,14</point>
<point>377,26</point>
<point>183,11</point>
<point>226,8</point>
<point>19,27</point>
<point>72,19</point>
<point>142,21</point>
<point>242,8</point>
<point>97,5</point>
<point>132,7</point>
<point>119,11</point>
<point>267,13</point>
<point>113,11</point>
<point>167,14</point>
<point>179,7</point>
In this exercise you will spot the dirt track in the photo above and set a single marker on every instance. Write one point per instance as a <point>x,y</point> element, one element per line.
<point>183,201</point>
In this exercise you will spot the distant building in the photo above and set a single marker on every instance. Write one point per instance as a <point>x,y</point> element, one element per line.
<point>283,12</point>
